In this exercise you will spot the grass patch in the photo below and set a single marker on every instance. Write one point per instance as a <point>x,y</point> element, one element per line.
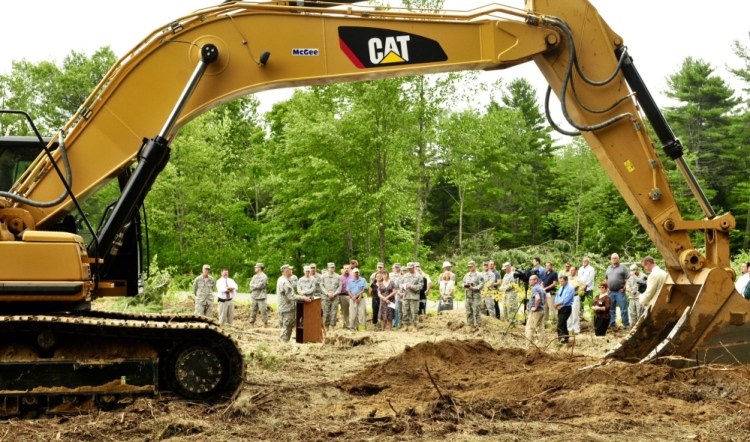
<point>263,357</point>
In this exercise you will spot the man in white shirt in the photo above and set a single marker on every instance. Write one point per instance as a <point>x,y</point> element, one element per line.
<point>743,279</point>
<point>227,289</point>
<point>654,283</point>
<point>587,276</point>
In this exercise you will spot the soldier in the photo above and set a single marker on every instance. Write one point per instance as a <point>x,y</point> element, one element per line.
<point>203,290</point>
<point>227,289</point>
<point>316,276</point>
<point>473,283</point>
<point>330,285</point>
<point>510,296</point>
<point>258,287</point>
<point>488,290</point>
<point>411,284</point>
<point>286,300</point>
<point>306,285</point>
<point>293,281</point>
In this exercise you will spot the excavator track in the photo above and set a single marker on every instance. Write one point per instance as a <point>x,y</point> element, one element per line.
<point>73,363</point>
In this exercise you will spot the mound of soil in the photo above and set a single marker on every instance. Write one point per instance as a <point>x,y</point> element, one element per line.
<point>454,381</point>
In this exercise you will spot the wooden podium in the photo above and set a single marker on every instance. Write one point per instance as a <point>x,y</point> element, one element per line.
<point>308,324</point>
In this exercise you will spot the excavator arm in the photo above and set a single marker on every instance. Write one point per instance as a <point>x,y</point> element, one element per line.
<point>217,54</point>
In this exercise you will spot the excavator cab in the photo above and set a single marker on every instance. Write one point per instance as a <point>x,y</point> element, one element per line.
<point>16,155</point>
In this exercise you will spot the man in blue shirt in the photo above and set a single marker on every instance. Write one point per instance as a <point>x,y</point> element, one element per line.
<point>535,322</point>
<point>564,306</point>
<point>357,305</point>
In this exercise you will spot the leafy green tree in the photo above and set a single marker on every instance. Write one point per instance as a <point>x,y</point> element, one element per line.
<point>703,120</point>
<point>49,93</point>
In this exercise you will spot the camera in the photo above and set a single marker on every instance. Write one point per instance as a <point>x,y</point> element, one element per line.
<point>524,275</point>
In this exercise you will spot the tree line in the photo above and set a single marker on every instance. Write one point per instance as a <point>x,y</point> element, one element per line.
<point>397,170</point>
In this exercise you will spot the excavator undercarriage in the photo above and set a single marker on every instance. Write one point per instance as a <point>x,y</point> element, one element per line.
<point>76,362</point>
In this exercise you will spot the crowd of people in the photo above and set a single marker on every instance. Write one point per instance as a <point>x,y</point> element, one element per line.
<point>398,296</point>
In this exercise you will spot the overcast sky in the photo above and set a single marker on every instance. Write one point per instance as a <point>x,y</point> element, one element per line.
<point>658,33</point>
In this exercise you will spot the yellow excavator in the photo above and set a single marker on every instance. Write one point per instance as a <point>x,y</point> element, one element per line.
<point>57,355</point>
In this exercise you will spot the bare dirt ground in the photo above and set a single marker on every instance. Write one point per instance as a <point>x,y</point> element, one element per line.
<point>444,382</point>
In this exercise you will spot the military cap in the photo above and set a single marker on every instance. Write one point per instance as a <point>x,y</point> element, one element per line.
<point>306,268</point>
<point>472,263</point>
<point>286,267</point>
<point>259,265</point>
<point>206,266</point>
<point>332,265</point>
<point>409,265</point>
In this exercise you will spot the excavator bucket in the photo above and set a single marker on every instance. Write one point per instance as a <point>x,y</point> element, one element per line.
<point>692,322</point>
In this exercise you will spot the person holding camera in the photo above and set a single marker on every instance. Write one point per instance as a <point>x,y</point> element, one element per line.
<point>473,283</point>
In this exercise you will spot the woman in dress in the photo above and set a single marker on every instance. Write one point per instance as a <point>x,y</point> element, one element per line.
<point>387,294</point>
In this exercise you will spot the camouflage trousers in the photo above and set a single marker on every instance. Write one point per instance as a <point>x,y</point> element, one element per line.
<point>330,306</point>
<point>259,305</point>
<point>409,314</point>
<point>204,306</point>
<point>287,325</point>
<point>473,308</point>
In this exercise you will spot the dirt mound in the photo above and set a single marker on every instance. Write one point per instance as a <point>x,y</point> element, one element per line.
<point>454,381</point>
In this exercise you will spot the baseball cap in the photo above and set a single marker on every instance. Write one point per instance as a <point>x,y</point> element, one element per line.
<point>506,265</point>
<point>447,264</point>
<point>356,270</point>
<point>206,266</point>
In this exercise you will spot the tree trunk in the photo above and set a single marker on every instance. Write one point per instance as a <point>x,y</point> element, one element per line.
<point>461,199</point>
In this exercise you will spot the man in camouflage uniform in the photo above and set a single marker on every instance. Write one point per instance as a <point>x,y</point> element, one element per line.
<point>488,292</point>
<point>473,283</point>
<point>287,302</point>
<point>510,296</point>
<point>258,287</point>
<point>306,285</point>
<point>203,290</point>
<point>330,285</point>
<point>316,276</point>
<point>411,284</point>
<point>293,282</point>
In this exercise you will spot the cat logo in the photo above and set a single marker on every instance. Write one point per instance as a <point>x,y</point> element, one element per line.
<point>376,47</point>
<point>392,50</point>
